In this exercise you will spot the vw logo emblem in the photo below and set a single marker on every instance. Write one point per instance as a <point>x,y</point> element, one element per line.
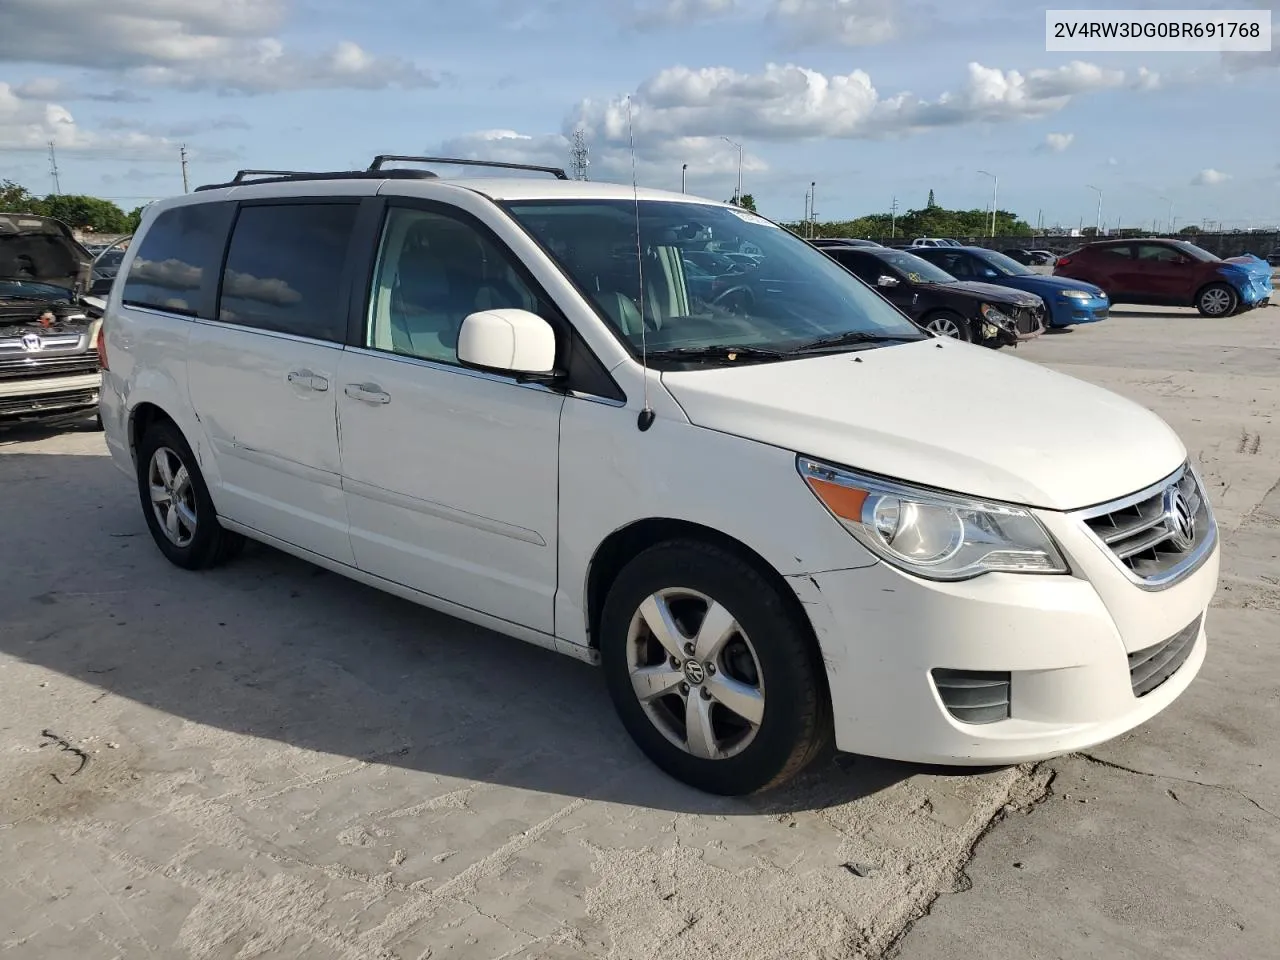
<point>694,672</point>
<point>32,343</point>
<point>1179,519</point>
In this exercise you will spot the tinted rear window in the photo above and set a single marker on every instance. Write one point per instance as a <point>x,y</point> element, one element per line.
<point>178,260</point>
<point>285,267</point>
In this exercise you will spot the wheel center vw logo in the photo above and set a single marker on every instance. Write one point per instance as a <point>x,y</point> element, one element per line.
<point>32,343</point>
<point>1179,518</point>
<point>694,672</point>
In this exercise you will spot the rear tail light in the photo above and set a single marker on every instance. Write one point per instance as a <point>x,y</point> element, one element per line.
<point>1062,261</point>
<point>100,344</point>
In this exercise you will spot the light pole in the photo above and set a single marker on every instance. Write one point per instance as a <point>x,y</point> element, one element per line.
<point>684,173</point>
<point>1098,229</point>
<point>1169,222</point>
<point>737,197</point>
<point>813,213</point>
<point>893,218</point>
<point>995,192</point>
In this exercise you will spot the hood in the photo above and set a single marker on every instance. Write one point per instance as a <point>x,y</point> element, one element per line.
<point>944,414</point>
<point>1255,268</point>
<point>992,292</point>
<point>42,250</point>
<point>1047,286</point>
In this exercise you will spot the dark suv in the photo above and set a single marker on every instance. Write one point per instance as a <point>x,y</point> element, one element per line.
<point>977,312</point>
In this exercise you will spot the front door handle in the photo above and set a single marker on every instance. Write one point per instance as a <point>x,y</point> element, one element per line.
<point>308,380</point>
<point>367,392</point>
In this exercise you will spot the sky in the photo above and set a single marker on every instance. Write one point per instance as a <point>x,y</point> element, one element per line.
<point>870,100</point>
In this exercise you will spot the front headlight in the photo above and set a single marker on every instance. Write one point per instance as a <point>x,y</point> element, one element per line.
<point>1077,294</point>
<point>932,534</point>
<point>994,315</point>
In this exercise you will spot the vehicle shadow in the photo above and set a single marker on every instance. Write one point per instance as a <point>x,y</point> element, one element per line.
<point>273,647</point>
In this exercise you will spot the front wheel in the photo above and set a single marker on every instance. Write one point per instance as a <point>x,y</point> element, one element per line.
<point>713,673</point>
<point>1217,300</point>
<point>176,502</point>
<point>945,323</point>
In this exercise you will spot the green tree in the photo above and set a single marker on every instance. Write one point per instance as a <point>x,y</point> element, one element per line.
<point>746,202</point>
<point>1189,231</point>
<point>134,219</point>
<point>81,212</point>
<point>15,198</point>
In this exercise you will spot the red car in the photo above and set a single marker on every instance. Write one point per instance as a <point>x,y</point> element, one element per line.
<point>1171,273</point>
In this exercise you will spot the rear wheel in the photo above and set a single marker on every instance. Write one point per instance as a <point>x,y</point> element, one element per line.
<point>176,503</point>
<point>712,672</point>
<point>1217,300</point>
<point>946,323</point>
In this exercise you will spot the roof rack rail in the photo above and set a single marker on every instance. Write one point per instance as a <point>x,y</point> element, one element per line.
<point>292,176</point>
<point>379,160</point>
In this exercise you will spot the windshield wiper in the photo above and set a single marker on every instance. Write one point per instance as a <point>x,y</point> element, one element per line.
<point>717,351</point>
<point>852,337</point>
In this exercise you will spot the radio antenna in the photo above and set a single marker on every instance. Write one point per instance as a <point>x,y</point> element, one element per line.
<point>645,420</point>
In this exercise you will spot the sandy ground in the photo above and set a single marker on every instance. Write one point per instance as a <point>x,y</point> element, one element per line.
<point>270,761</point>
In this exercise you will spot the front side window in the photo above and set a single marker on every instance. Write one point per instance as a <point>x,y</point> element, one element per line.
<point>285,266</point>
<point>433,270</point>
<point>178,259</point>
<point>1002,264</point>
<point>1154,251</point>
<point>629,258</point>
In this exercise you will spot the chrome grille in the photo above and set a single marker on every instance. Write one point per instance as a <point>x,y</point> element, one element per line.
<point>1158,535</point>
<point>1153,666</point>
<point>39,365</point>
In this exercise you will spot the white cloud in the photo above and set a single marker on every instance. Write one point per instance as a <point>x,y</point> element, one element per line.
<point>1209,177</point>
<point>192,44</point>
<point>1058,142</point>
<point>31,125</point>
<point>665,13</point>
<point>850,23</point>
<point>788,102</point>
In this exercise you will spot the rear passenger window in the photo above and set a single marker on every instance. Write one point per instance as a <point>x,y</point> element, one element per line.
<point>177,262</point>
<point>285,267</point>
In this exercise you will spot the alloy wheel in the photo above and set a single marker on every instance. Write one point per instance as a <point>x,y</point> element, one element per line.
<point>1215,301</point>
<point>944,326</point>
<point>695,673</point>
<point>173,498</point>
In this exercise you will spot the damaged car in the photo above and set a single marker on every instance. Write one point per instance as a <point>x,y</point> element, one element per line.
<point>964,310</point>
<point>49,367</point>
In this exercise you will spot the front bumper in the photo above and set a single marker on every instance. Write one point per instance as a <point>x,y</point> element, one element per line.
<point>1067,311</point>
<point>48,397</point>
<point>1065,645</point>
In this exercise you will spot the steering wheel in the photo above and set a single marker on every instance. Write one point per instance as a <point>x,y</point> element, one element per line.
<point>724,295</point>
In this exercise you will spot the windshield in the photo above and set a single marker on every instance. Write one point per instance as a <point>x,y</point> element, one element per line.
<point>1194,252</point>
<point>1006,266</point>
<point>917,269</point>
<point>790,297</point>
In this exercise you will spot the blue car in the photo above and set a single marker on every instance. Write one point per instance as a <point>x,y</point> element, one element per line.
<point>1067,302</point>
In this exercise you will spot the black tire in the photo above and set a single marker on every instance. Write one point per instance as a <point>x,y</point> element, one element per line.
<point>211,544</point>
<point>1217,300</point>
<point>962,325</point>
<point>97,422</point>
<point>795,725</point>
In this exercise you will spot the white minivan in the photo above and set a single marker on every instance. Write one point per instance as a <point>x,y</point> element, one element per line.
<point>776,512</point>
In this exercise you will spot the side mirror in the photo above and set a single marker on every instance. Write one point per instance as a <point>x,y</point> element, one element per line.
<point>508,341</point>
<point>884,280</point>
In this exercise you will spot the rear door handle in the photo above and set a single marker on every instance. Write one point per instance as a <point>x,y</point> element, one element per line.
<point>367,392</point>
<point>309,380</point>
